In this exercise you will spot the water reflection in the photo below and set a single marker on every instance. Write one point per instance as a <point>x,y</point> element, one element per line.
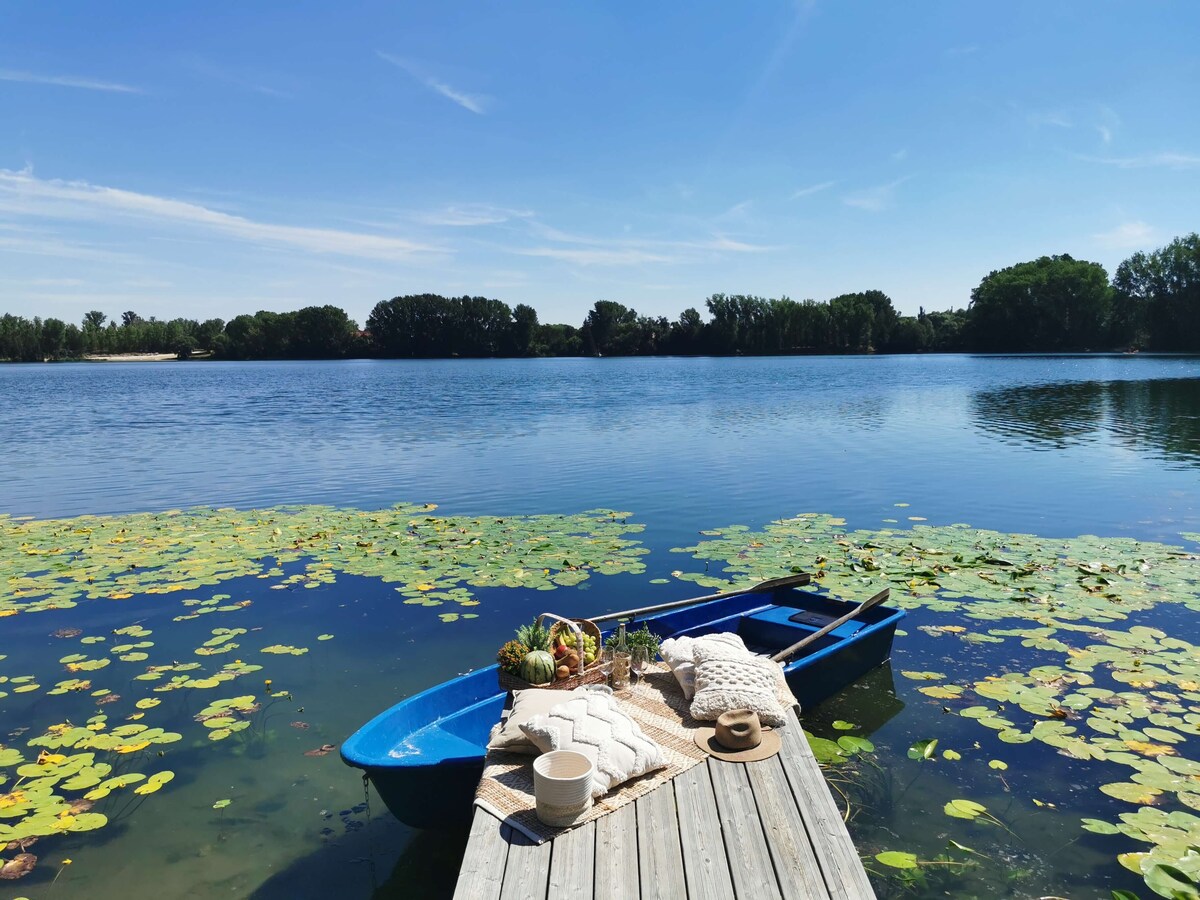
<point>1160,417</point>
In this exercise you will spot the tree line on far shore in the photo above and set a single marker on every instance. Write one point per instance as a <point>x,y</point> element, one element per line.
<point>1051,304</point>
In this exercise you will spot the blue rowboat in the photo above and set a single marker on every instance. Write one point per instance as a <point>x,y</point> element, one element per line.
<point>425,754</point>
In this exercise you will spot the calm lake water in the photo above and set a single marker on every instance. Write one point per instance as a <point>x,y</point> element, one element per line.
<point>1057,446</point>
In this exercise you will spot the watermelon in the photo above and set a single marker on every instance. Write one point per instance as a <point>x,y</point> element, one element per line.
<point>538,667</point>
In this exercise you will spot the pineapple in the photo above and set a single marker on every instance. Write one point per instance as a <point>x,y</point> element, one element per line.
<point>511,656</point>
<point>534,636</point>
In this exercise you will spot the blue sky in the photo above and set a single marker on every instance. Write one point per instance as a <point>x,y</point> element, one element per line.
<point>206,160</point>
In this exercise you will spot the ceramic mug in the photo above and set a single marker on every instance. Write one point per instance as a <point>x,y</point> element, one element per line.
<point>562,786</point>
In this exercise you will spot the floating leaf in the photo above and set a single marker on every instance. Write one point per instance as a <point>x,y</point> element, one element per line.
<point>897,859</point>
<point>154,782</point>
<point>923,749</point>
<point>852,744</point>
<point>1131,793</point>
<point>284,649</point>
<point>1098,827</point>
<point>964,809</point>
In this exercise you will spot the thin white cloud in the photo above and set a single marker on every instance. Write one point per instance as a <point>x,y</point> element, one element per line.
<point>813,189</point>
<point>589,257</point>
<point>473,102</point>
<point>472,214</point>
<point>964,50</point>
<point>1134,235</point>
<point>875,199</point>
<point>23,194</point>
<point>590,251</point>
<point>59,249</point>
<point>71,81</point>
<point>720,242</point>
<point>737,211</point>
<point>900,154</point>
<point>1052,118</point>
<point>1109,122</point>
<point>233,76</point>
<point>1148,161</point>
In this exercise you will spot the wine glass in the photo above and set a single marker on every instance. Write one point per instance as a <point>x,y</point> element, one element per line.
<point>607,655</point>
<point>639,659</point>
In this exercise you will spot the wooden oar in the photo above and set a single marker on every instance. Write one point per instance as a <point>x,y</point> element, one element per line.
<point>769,585</point>
<point>862,607</point>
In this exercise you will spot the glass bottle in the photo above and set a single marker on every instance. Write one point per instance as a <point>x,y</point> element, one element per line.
<point>621,661</point>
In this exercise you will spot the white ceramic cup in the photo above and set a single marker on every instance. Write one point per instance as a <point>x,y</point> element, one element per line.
<point>562,786</point>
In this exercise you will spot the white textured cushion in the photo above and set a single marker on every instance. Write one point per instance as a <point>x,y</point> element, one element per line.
<point>727,680</point>
<point>507,734</point>
<point>594,725</point>
<point>679,653</point>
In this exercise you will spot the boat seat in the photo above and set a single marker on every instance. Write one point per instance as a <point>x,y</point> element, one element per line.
<point>774,627</point>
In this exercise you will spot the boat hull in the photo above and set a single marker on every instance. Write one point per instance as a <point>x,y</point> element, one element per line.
<point>425,755</point>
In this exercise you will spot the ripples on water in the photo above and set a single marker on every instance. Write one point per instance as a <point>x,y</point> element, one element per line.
<point>1010,442</point>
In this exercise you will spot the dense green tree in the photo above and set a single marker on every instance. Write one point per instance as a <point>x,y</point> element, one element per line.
<point>207,332</point>
<point>610,329</point>
<point>54,337</point>
<point>852,320</point>
<point>1157,297</point>
<point>20,339</point>
<point>557,340</point>
<point>1053,303</point>
<point>912,334</point>
<point>686,335</point>
<point>524,330</point>
<point>320,332</point>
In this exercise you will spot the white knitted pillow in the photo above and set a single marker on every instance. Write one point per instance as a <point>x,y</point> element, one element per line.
<point>596,727</point>
<point>679,653</point>
<point>726,680</point>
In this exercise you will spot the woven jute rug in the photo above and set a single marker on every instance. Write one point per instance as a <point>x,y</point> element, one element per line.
<point>657,704</point>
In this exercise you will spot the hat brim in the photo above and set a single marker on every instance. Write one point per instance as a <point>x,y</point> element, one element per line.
<point>706,740</point>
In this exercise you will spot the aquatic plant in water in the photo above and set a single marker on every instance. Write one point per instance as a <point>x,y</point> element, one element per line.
<point>56,563</point>
<point>50,786</point>
<point>1103,694</point>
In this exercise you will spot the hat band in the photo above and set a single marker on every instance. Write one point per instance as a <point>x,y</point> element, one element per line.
<point>731,739</point>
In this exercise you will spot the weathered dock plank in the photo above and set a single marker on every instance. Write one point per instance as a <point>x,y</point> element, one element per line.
<point>660,857</point>
<point>796,866</point>
<point>528,869</point>
<point>617,855</point>
<point>746,845</point>
<point>482,872</point>
<point>572,864</point>
<point>704,861</point>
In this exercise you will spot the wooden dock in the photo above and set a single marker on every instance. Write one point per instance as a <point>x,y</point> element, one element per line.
<point>720,830</point>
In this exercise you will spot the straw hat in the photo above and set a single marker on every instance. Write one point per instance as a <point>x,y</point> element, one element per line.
<point>738,737</point>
